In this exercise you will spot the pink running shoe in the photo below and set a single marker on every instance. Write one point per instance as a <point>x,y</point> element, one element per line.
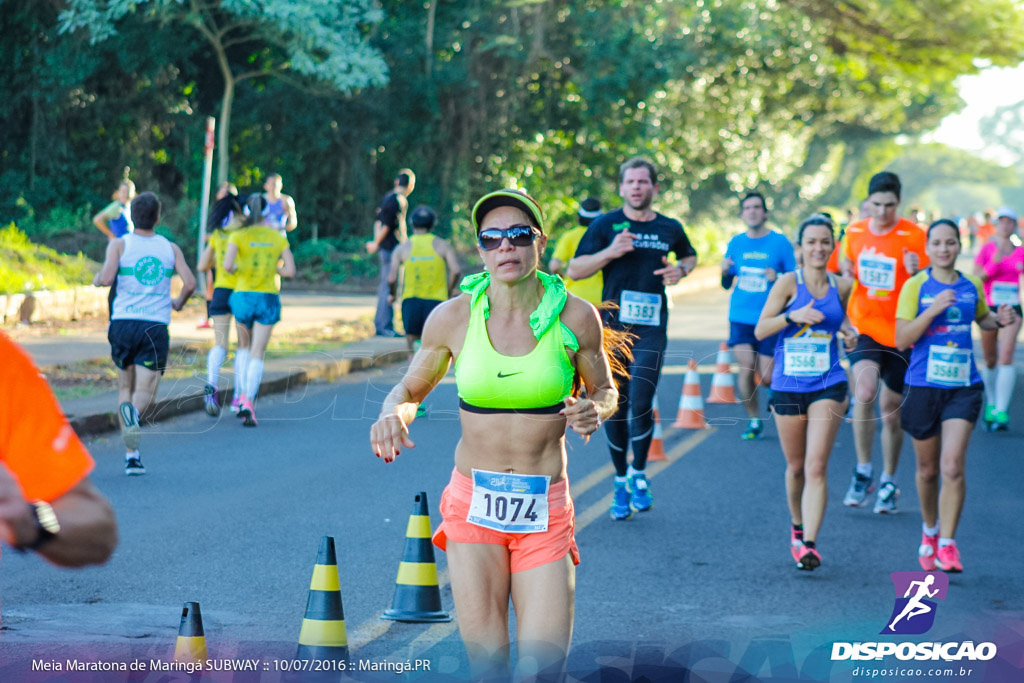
<point>809,559</point>
<point>236,404</point>
<point>948,559</point>
<point>247,414</point>
<point>796,544</point>
<point>927,551</point>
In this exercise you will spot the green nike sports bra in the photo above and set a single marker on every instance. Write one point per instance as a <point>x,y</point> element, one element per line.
<point>535,383</point>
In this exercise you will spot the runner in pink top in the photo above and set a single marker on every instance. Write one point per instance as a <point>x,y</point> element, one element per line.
<point>1000,265</point>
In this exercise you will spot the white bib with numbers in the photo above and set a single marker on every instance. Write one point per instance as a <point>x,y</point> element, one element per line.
<point>639,308</point>
<point>510,503</point>
<point>1005,293</point>
<point>876,271</point>
<point>949,366</point>
<point>806,356</point>
<point>752,280</point>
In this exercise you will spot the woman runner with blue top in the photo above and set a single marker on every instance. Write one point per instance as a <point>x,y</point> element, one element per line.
<point>753,261</point>
<point>944,392</point>
<point>807,310</point>
<point>522,346</point>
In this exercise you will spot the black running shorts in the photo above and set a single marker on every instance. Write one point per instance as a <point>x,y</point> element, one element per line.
<point>926,408</point>
<point>892,363</point>
<point>139,342</point>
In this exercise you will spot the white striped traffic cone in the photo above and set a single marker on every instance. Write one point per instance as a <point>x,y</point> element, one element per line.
<point>723,384</point>
<point>691,405</point>
<point>657,449</point>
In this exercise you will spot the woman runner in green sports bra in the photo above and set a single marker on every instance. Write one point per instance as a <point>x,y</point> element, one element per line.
<point>519,343</point>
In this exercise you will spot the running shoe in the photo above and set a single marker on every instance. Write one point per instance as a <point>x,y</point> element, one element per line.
<point>809,559</point>
<point>860,487</point>
<point>620,503</point>
<point>754,429</point>
<point>236,404</point>
<point>134,467</point>
<point>927,551</point>
<point>131,433</point>
<point>948,559</point>
<point>246,412</point>
<point>990,416</point>
<point>210,401</point>
<point>885,502</point>
<point>796,544</point>
<point>1001,421</point>
<point>639,493</point>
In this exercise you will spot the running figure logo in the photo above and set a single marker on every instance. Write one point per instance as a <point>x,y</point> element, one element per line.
<point>914,612</point>
<point>149,270</point>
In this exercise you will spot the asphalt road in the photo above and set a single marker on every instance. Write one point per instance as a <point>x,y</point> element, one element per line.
<point>232,518</point>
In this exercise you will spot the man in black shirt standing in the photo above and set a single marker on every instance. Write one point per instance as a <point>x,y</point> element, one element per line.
<point>630,247</point>
<point>388,231</point>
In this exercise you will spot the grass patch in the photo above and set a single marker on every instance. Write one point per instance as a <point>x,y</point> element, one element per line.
<point>25,266</point>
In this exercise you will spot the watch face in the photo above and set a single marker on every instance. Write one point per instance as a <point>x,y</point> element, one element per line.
<point>46,516</point>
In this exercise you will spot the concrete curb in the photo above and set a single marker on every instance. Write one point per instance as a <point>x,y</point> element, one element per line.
<point>96,415</point>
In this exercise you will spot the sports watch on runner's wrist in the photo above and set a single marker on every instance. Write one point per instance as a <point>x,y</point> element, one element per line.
<point>47,525</point>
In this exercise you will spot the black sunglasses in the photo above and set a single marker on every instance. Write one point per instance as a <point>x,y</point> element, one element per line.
<point>518,236</point>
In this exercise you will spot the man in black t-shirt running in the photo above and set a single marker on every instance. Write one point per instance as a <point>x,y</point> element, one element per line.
<point>630,247</point>
<point>388,232</point>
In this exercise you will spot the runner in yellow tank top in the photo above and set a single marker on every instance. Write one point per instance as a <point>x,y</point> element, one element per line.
<point>256,254</point>
<point>430,271</point>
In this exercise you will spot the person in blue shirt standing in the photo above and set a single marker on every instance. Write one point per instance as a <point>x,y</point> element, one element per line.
<point>753,261</point>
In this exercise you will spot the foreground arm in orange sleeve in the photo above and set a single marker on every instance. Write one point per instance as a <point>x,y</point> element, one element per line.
<point>41,459</point>
<point>88,532</point>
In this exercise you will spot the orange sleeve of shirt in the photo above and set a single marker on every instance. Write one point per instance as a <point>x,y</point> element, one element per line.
<point>37,444</point>
<point>920,241</point>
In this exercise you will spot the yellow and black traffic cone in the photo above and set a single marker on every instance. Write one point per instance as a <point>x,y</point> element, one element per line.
<point>191,645</point>
<point>417,595</point>
<point>323,633</point>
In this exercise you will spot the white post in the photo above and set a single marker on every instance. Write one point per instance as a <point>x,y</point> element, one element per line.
<point>204,207</point>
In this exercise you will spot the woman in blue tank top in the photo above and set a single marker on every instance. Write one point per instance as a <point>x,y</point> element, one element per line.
<point>943,391</point>
<point>809,390</point>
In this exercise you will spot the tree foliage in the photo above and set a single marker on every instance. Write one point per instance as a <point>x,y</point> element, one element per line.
<point>799,98</point>
<point>321,40</point>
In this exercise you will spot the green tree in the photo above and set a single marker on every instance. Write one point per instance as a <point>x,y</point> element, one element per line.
<point>320,41</point>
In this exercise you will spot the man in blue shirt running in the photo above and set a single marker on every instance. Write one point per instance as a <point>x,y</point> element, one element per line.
<point>753,260</point>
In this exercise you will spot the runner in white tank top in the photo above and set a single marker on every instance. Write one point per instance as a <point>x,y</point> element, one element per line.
<point>141,264</point>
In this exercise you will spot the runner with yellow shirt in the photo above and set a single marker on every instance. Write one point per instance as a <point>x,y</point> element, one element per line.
<point>253,255</point>
<point>226,209</point>
<point>588,288</point>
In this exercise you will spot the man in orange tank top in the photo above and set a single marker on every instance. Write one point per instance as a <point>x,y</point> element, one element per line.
<point>879,253</point>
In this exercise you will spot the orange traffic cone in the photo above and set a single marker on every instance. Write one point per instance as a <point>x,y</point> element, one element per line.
<point>191,643</point>
<point>723,384</point>
<point>691,405</point>
<point>657,450</point>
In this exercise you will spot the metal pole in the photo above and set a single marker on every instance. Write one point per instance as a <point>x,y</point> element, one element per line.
<point>205,203</point>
